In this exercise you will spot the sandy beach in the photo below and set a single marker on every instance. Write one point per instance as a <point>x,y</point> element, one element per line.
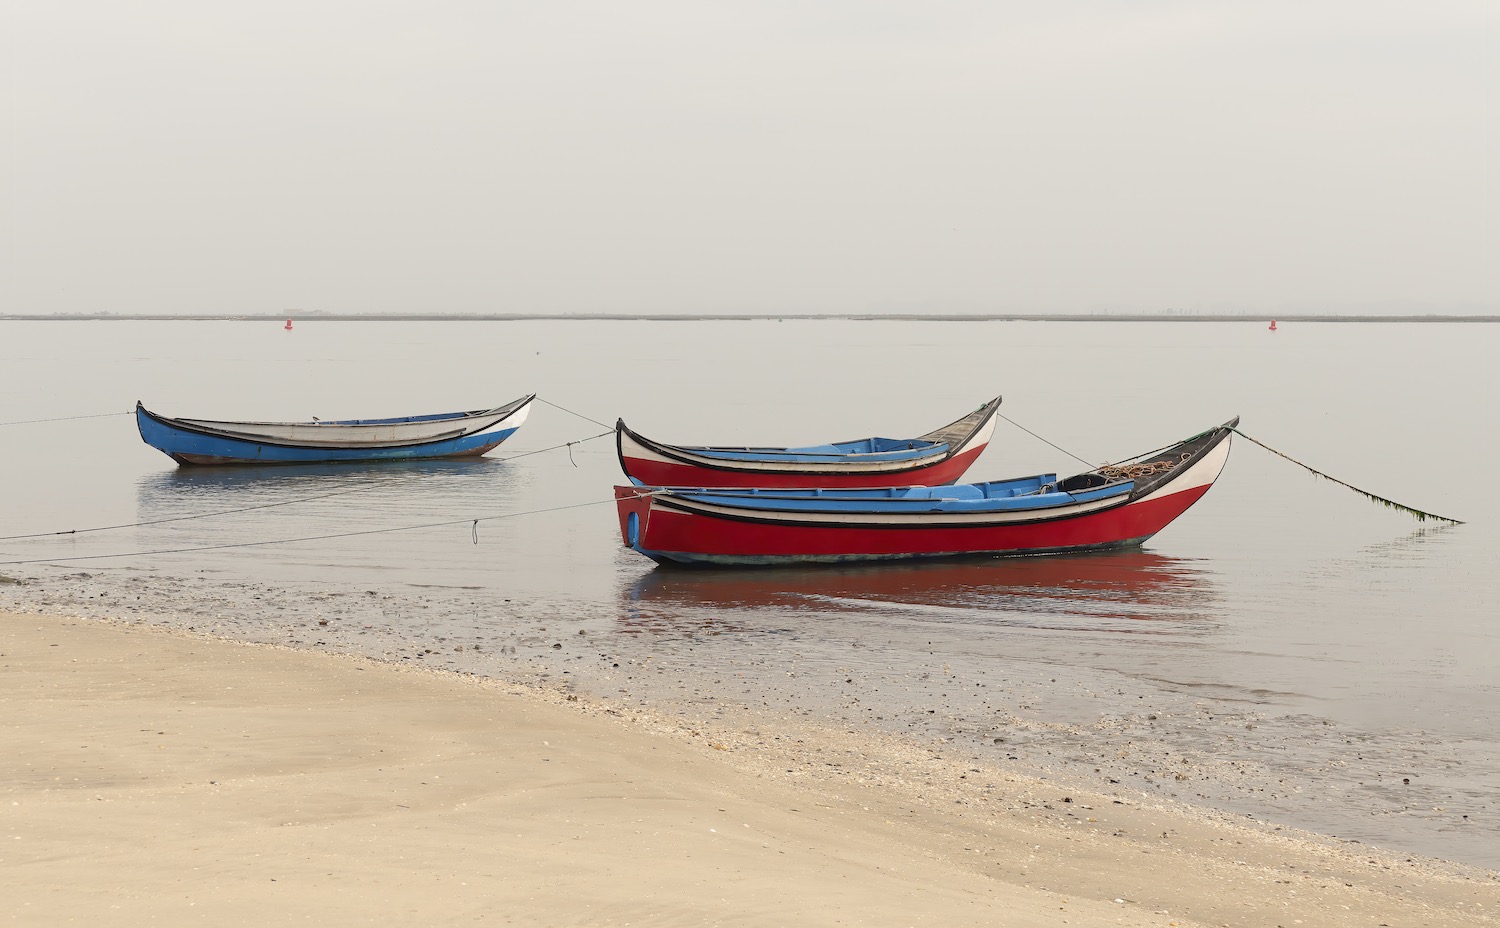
<point>161,777</point>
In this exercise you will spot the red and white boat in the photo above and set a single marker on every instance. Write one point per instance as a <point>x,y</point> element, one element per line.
<point>1114,506</point>
<point>938,457</point>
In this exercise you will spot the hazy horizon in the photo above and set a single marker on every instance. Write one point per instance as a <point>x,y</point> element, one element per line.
<point>681,158</point>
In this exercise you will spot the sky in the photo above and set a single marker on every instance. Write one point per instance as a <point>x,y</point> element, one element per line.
<point>779,157</point>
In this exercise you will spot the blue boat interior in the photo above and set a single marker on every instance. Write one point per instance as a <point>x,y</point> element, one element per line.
<point>1041,491</point>
<point>867,449</point>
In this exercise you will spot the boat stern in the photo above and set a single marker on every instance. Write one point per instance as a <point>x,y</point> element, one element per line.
<point>633,505</point>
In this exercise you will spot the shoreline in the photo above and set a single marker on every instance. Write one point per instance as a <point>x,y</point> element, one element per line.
<point>1244,762</point>
<point>628,815</point>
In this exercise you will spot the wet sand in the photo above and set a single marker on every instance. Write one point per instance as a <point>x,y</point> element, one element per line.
<point>977,699</point>
<point>164,777</point>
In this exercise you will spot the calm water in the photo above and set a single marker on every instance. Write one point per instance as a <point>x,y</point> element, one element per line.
<point>1286,649</point>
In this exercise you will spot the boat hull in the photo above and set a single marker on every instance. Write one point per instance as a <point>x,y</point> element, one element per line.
<point>192,446</point>
<point>652,470</point>
<point>651,463</point>
<point>672,531</point>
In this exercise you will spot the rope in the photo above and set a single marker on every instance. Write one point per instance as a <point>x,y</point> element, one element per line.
<point>289,502</point>
<point>201,515</point>
<point>1043,440</point>
<point>1390,504</point>
<point>578,414</point>
<point>568,444</point>
<point>1137,471</point>
<point>286,541</point>
<point>1112,471</point>
<point>102,415</point>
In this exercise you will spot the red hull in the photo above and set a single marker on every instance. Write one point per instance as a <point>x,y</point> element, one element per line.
<point>730,541</point>
<point>668,474</point>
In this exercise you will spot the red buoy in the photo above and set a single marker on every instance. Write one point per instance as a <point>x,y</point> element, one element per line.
<point>1273,324</point>
<point>288,325</point>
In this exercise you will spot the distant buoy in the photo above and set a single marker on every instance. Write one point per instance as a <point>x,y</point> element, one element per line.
<point>288,325</point>
<point>1273,324</point>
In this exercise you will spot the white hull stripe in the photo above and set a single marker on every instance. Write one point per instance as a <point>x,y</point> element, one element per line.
<point>1203,473</point>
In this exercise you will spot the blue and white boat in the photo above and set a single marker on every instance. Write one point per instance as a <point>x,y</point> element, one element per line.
<point>405,438</point>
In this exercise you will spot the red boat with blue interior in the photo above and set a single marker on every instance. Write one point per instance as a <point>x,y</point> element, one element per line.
<point>1114,506</point>
<point>937,457</point>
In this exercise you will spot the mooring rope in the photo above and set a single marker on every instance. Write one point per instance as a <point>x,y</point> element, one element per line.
<point>1039,438</point>
<point>1136,471</point>
<point>578,414</point>
<point>1389,503</point>
<point>1114,471</point>
<point>567,444</point>
<point>102,415</point>
<point>471,521</point>
<point>288,502</point>
<point>200,515</point>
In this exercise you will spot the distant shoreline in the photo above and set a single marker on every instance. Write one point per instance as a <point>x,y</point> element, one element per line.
<point>728,317</point>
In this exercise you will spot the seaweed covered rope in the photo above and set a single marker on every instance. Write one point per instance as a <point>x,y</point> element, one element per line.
<point>1420,515</point>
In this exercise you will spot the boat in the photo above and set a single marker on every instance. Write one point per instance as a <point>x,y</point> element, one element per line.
<point>441,435</point>
<point>1110,507</point>
<point>938,457</point>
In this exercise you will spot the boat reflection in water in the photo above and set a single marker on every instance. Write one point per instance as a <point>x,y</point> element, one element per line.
<point>213,505</point>
<point>157,494</point>
<point>1127,592</point>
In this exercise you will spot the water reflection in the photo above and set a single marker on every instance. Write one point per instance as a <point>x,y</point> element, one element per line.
<point>168,493</point>
<point>221,480</point>
<point>1419,542</point>
<point>371,504</point>
<point>1121,591</point>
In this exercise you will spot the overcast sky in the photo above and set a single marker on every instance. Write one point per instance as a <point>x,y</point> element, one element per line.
<point>783,157</point>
